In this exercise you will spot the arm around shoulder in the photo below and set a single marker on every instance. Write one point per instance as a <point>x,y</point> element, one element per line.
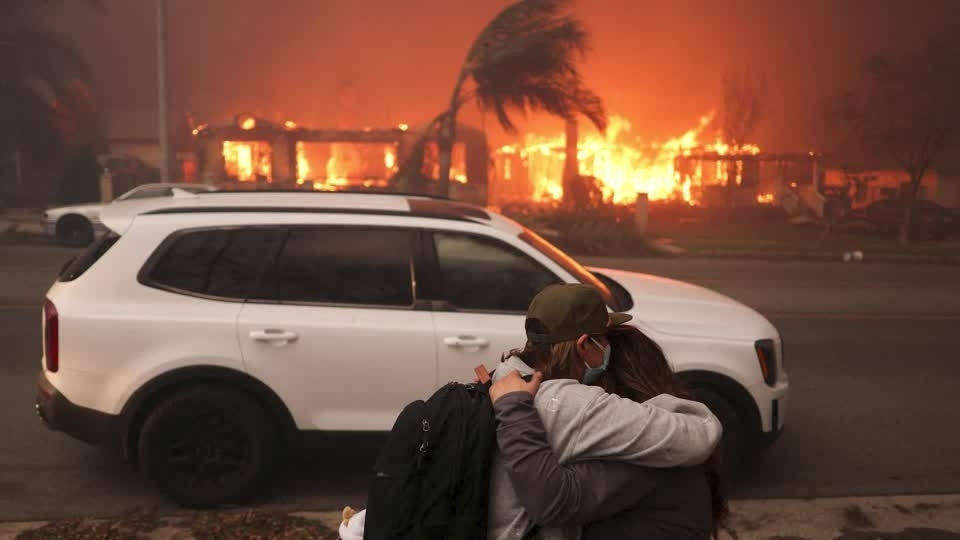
<point>554,494</point>
<point>665,431</point>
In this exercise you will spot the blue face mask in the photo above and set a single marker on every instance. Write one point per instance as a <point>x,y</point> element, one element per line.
<point>593,373</point>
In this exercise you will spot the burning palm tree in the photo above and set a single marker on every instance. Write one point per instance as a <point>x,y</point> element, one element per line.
<point>525,59</point>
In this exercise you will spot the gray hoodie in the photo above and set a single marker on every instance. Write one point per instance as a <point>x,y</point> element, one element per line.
<point>584,422</point>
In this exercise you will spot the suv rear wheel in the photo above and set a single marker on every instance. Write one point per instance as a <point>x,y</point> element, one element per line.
<point>207,446</point>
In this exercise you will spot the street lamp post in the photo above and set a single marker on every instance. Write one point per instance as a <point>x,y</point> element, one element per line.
<point>162,90</point>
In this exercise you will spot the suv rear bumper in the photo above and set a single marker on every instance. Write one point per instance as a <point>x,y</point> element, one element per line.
<point>60,414</point>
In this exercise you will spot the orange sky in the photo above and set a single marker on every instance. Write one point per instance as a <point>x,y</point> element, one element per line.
<point>658,63</point>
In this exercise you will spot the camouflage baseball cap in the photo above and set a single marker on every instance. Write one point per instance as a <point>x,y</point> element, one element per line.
<point>567,311</point>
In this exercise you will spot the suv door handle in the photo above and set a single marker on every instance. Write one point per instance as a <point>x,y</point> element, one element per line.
<point>467,342</point>
<point>274,336</point>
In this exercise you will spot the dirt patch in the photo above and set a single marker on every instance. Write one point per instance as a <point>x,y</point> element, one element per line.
<point>89,529</point>
<point>203,526</point>
<point>742,523</point>
<point>855,518</point>
<point>252,524</point>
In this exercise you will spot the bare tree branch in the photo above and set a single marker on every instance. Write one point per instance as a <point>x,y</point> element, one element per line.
<point>906,110</point>
<point>744,98</point>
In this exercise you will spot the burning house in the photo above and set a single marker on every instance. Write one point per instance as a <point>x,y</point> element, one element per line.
<point>683,169</point>
<point>253,153</point>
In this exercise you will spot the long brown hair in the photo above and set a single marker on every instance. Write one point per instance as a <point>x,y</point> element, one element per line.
<point>555,360</point>
<point>639,371</point>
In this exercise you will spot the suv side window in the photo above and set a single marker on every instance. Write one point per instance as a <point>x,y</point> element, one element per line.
<point>343,265</point>
<point>485,274</point>
<point>224,263</point>
<point>77,266</point>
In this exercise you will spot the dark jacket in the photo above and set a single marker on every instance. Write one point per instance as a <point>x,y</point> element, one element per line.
<point>612,499</point>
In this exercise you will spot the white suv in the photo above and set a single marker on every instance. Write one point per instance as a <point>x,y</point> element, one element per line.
<point>206,333</point>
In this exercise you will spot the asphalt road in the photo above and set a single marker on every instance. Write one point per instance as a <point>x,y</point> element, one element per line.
<point>872,357</point>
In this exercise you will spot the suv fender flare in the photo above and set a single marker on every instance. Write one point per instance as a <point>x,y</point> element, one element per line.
<point>731,390</point>
<point>142,401</point>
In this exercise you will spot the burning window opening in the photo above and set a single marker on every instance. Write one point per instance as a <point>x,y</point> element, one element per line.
<point>248,160</point>
<point>458,162</point>
<point>332,166</point>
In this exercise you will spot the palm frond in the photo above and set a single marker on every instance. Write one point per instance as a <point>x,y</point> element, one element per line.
<point>526,60</point>
<point>35,57</point>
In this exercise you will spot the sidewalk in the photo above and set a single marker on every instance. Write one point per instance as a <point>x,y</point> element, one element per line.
<point>795,241</point>
<point>934,517</point>
<point>669,249</point>
<point>19,221</point>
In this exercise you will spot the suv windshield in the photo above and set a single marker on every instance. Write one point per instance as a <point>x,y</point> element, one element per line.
<point>570,265</point>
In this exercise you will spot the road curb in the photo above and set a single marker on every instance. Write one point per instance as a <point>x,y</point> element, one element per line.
<point>888,258</point>
<point>676,252</point>
<point>901,517</point>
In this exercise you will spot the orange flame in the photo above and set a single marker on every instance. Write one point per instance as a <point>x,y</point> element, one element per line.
<point>345,164</point>
<point>625,165</point>
<point>247,160</point>
<point>303,165</point>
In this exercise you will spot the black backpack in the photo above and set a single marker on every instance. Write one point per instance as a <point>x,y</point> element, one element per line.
<point>433,474</point>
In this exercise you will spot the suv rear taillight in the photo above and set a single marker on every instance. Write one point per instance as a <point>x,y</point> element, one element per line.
<point>51,336</point>
<point>767,356</point>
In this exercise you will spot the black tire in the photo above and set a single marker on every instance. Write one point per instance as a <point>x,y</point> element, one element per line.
<point>207,446</point>
<point>735,443</point>
<point>74,231</point>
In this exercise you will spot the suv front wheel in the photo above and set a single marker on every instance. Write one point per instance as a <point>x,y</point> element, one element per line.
<point>733,445</point>
<point>207,445</point>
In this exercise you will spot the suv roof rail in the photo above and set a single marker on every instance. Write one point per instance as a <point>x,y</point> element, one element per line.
<point>178,193</point>
<point>350,191</point>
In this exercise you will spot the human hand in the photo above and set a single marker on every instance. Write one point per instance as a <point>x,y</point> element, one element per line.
<point>481,375</point>
<point>513,382</point>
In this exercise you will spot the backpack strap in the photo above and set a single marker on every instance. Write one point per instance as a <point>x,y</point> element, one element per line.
<point>486,378</point>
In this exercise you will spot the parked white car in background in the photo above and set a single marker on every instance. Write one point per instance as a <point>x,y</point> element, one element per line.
<point>204,334</point>
<point>79,224</point>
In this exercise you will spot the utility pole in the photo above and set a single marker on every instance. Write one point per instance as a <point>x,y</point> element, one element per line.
<point>163,131</point>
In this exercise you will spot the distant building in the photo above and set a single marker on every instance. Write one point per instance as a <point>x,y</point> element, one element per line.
<point>865,186</point>
<point>133,132</point>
